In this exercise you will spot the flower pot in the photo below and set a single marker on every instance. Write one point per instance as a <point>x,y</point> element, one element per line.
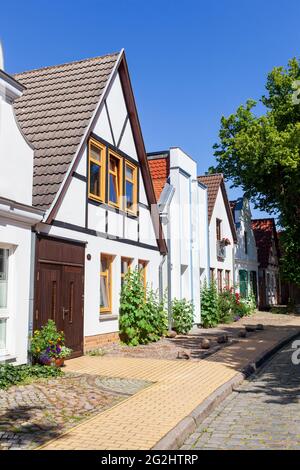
<point>59,362</point>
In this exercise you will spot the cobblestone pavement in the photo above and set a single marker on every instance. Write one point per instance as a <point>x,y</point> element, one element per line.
<point>32,414</point>
<point>264,413</point>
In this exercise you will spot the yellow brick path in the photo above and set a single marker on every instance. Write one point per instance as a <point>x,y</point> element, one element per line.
<point>179,386</point>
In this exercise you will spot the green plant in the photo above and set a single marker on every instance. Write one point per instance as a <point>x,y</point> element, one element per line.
<point>48,343</point>
<point>14,375</point>
<point>142,315</point>
<point>96,352</point>
<point>182,315</point>
<point>226,305</point>
<point>209,305</point>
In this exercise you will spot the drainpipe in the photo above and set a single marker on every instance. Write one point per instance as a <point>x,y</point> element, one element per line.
<point>191,243</point>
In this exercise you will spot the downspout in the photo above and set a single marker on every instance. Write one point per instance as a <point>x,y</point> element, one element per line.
<point>31,286</point>
<point>169,267</point>
<point>191,242</point>
<point>208,242</point>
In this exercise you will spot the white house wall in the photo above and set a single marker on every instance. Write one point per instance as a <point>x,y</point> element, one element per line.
<point>17,238</point>
<point>16,157</point>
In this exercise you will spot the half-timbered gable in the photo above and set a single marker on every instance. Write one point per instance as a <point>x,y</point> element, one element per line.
<point>92,180</point>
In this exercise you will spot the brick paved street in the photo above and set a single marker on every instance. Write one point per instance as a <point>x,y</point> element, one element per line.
<point>264,413</point>
<point>32,414</point>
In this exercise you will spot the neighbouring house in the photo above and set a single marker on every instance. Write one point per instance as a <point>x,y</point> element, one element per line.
<point>92,181</point>
<point>245,256</point>
<point>182,201</point>
<point>268,258</point>
<point>222,232</point>
<point>17,217</point>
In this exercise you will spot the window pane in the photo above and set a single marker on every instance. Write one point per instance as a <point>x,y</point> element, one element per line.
<point>124,266</point>
<point>129,195</point>
<point>104,294</point>
<point>2,334</point>
<point>104,264</point>
<point>113,164</point>
<point>95,177</point>
<point>95,153</point>
<point>129,172</point>
<point>3,277</point>
<point>113,193</point>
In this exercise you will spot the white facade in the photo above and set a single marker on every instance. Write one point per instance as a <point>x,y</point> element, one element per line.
<point>16,219</point>
<point>186,228</point>
<point>246,263</point>
<point>104,229</point>
<point>221,258</point>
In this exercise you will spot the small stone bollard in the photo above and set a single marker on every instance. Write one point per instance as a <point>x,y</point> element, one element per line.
<point>222,339</point>
<point>183,355</point>
<point>250,329</point>
<point>243,334</point>
<point>205,343</point>
<point>171,334</point>
<point>260,326</point>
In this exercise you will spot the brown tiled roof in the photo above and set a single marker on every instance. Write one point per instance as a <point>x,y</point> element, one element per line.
<point>159,169</point>
<point>264,230</point>
<point>54,112</point>
<point>213,183</point>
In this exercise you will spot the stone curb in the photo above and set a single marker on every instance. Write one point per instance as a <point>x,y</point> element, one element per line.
<point>175,438</point>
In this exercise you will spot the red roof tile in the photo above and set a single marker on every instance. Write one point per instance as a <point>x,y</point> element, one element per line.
<point>159,169</point>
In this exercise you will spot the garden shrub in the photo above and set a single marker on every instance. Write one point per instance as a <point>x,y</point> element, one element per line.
<point>182,315</point>
<point>209,305</point>
<point>14,375</point>
<point>227,306</point>
<point>142,315</point>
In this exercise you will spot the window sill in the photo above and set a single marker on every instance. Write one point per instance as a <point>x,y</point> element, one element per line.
<point>107,317</point>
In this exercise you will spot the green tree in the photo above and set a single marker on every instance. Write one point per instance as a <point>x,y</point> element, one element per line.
<point>261,154</point>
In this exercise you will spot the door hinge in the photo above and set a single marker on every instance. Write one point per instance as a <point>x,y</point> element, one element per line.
<point>36,314</point>
<point>38,276</point>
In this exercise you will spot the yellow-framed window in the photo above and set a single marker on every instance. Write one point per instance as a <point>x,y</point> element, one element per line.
<point>142,266</point>
<point>115,174</point>
<point>130,187</point>
<point>106,283</point>
<point>96,170</point>
<point>126,264</point>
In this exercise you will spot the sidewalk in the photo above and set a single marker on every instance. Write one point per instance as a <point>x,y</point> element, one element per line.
<point>179,387</point>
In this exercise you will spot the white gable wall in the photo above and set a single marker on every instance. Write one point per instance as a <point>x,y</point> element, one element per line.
<point>95,222</point>
<point>16,156</point>
<point>219,212</point>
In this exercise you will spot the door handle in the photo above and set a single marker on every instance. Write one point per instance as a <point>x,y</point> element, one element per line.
<point>64,312</point>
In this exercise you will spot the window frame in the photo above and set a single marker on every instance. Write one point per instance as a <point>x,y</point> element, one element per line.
<point>129,262</point>
<point>134,183</point>
<point>143,270</point>
<point>219,229</point>
<point>119,178</point>
<point>5,311</point>
<point>227,278</point>
<point>108,275</point>
<point>220,279</point>
<point>102,165</point>
<point>246,242</point>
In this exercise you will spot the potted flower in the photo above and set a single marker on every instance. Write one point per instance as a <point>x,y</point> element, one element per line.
<point>48,345</point>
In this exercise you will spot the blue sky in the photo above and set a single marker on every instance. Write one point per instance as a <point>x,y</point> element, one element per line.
<point>190,61</point>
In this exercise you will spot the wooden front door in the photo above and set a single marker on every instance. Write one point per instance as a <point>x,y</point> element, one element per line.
<point>59,290</point>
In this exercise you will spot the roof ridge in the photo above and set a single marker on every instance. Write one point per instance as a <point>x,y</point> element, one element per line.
<point>67,63</point>
<point>211,174</point>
